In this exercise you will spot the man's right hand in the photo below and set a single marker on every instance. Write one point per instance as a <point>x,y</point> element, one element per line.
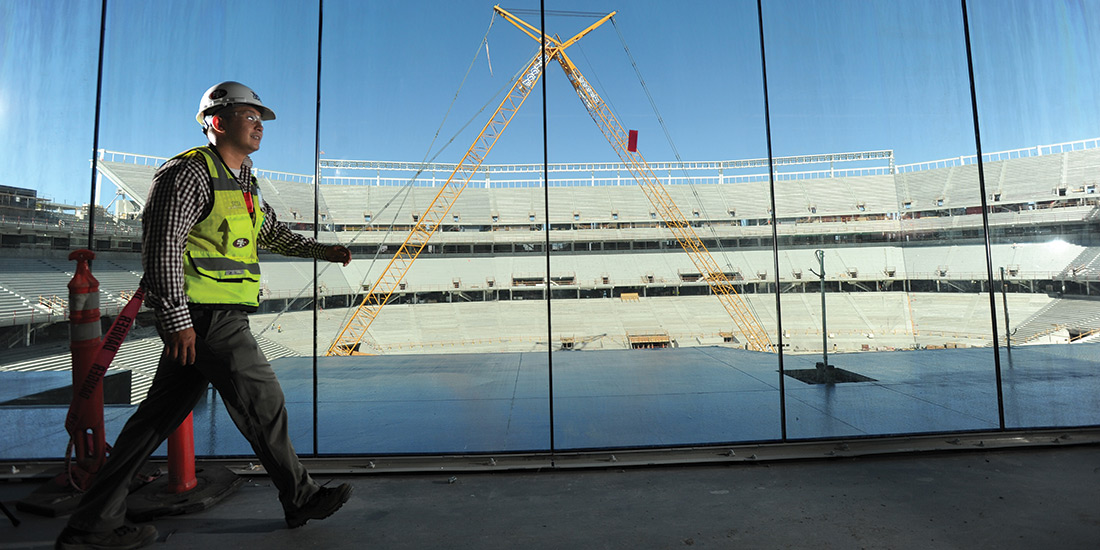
<point>180,346</point>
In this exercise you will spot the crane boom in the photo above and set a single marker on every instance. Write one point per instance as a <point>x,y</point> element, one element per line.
<point>351,336</point>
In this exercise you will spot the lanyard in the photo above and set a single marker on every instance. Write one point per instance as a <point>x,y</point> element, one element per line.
<point>248,201</point>
<point>247,192</point>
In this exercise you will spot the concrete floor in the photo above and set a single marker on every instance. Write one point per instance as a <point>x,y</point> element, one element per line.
<point>1009,498</point>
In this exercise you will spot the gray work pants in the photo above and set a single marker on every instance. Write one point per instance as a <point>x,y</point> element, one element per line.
<point>229,358</point>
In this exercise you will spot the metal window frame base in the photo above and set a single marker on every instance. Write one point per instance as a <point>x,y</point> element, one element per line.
<point>633,458</point>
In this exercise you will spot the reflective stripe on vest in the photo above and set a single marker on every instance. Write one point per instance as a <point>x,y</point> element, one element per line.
<point>221,264</point>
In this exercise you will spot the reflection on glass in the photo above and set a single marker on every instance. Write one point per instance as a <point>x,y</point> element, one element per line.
<point>47,120</point>
<point>150,94</point>
<point>148,115</point>
<point>1037,93</point>
<point>448,276</point>
<point>603,272</point>
<point>885,301</point>
<point>656,232</point>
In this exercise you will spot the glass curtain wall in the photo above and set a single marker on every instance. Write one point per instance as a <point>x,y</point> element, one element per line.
<point>660,320</point>
<point>1037,81</point>
<point>566,294</point>
<point>47,120</point>
<point>885,304</point>
<point>151,96</point>
<point>429,152</point>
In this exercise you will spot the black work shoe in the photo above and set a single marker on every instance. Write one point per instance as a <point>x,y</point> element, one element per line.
<point>126,537</point>
<point>321,505</point>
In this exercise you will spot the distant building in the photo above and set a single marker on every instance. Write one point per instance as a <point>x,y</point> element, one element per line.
<point>101,212</point>
<point>17,202</point>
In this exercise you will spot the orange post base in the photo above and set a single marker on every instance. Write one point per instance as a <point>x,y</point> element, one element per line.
<point>181,457</point>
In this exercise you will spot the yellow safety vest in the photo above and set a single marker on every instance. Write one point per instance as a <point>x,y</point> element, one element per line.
<point>220,260</point>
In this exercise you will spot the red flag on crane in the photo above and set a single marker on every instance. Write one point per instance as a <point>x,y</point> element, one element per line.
<point>632,144</point>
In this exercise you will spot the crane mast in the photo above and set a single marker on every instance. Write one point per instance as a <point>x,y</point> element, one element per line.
<point>350,338</point>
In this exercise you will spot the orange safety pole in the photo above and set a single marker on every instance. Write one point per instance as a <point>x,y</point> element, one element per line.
<point>181,457</point>
<point>85,338</point>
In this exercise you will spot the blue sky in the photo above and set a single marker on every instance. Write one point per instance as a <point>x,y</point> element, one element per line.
<point>843,76</point>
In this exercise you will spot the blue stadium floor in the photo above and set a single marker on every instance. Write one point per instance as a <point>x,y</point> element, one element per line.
<point>459,404</point>
<point>1037,496</point>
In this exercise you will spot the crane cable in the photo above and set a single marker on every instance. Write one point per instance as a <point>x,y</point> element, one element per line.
<point>405,190</point>
<point>403,193</point>
<point>691,183</point>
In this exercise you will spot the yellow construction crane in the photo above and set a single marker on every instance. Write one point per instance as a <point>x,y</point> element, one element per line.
<point>350,337</point>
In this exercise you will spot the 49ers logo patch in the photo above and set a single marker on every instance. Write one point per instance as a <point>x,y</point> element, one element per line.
<point>240,243</point>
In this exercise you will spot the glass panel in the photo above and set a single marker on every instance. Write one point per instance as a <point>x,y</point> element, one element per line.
<point>882,262</point>
<point>658,354</point>
<point>1037,80</point>
<point>459,359</point>
<point>156,70</point>
<point>865,99</point>
<point>47,118</point>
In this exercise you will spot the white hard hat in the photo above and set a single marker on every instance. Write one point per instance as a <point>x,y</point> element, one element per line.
<point>228,93</point>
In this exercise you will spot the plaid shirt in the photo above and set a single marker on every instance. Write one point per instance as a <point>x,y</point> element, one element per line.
<point>180,198</point>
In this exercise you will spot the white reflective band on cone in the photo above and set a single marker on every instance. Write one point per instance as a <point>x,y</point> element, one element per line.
<point>84,301</point>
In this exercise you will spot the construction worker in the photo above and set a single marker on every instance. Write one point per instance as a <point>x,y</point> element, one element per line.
<point>203,223</point>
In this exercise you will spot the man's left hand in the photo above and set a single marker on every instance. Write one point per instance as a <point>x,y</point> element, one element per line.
<point>338,254</point>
